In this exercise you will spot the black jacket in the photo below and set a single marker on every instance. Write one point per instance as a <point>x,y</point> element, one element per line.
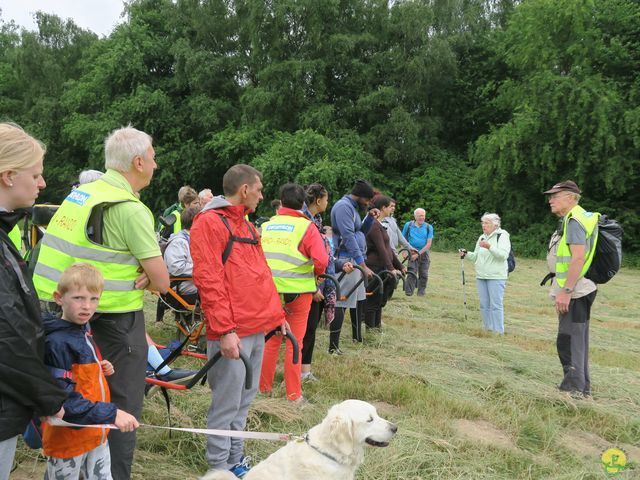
<point>26,385</point>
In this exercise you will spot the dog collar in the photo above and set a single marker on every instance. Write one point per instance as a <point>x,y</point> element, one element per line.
<point>329,456</point>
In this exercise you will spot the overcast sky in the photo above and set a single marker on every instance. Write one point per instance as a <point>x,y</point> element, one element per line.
<point>99,16</point>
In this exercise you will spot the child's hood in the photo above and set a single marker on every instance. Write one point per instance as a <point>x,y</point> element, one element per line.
<point>53,323</point>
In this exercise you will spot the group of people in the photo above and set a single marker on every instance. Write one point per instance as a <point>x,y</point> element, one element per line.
<point>100,252</point>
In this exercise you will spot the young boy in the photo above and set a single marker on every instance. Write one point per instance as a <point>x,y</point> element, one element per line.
<point>75,361</point>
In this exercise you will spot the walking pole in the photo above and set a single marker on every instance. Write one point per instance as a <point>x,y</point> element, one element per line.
<point>464,286</point>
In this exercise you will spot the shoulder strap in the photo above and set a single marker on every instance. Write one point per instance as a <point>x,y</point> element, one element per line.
<point>498,237</point>
<point>232,238</point>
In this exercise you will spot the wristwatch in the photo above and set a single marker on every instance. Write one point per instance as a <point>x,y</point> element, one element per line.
<point>567,290</point>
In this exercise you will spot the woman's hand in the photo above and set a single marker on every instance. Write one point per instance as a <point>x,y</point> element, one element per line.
<point>348,267</point>
<point>485,244</point>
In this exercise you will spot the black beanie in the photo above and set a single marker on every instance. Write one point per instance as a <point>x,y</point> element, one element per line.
<point>362,189</point>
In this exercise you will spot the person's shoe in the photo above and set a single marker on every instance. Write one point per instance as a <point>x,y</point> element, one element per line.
<point>242,468</point>
<point>299,402</point>
<point>178,375</point>
<point>308,377</point>
<point>421,294</point>
<point>408,294</point>
<point>335,351</point>
<point>573,394</point>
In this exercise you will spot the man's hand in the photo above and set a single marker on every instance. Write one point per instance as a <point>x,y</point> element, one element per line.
<point>414,256</point>
<point>374,212</point>
<point>125,421</point>
<point>284,328</point>
<point>318,296</point>
<point>562,302</point>
<point>230,346</point>
<point>107,368</point>
<point>141,282</point>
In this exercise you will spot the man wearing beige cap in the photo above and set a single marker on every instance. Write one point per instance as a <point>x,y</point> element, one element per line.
<point>570,254</point>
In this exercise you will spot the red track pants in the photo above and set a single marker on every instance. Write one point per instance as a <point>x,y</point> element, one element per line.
<point>297,314</point>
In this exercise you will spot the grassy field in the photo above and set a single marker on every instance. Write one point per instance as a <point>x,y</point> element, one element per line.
<point>469,405</point>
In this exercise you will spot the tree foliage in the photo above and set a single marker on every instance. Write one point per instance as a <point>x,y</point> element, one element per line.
<point>458,106</point>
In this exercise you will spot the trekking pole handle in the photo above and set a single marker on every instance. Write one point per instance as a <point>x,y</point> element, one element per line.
<point>294,343</point>
<point>408,273</point>
<point>363,278</point>
<point>248,378</point>
<point>408,256</point>
<point>378,281</point>
<point>335,281</point>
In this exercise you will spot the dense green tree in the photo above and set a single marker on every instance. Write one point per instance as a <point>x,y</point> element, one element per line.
<point>573,110</point>
<point>459,106</point>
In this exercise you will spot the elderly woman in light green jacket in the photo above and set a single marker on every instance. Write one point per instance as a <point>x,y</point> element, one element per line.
<point>490,259</point>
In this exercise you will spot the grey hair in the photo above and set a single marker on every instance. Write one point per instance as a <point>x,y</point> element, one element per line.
<point>123,145</point>
<point>419,210</point>
<point>88,176</point>
<point>491,217</point>
<point>205,192</point>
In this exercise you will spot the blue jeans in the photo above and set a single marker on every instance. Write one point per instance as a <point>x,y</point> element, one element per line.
<point>7,452</point>
<point>491,293</point>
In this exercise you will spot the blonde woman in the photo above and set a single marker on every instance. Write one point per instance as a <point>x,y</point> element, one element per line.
<point>490,258</point>
<point>26,386</point>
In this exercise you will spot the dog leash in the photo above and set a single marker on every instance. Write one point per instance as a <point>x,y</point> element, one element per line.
<point>272,436</point>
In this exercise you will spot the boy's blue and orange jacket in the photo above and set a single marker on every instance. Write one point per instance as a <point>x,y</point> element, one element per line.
<point>73,358</point>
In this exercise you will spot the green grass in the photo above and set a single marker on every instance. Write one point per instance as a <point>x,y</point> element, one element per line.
<point>469,405</point>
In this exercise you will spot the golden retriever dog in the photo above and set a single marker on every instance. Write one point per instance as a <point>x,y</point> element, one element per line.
<point>332,450</point>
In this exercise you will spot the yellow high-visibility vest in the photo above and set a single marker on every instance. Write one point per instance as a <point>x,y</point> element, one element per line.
<point>66,242</point>
<point>15,237</point>
<point>292,272</point>
<point>177,225</point>
<point>589,221</point>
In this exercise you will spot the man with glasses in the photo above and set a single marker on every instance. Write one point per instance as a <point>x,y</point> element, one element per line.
<point>570,254</point>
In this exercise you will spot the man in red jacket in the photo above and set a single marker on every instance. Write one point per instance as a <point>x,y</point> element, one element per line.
<point>240,303</point>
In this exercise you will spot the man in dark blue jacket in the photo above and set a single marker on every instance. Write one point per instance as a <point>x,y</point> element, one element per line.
<point>349,240</point>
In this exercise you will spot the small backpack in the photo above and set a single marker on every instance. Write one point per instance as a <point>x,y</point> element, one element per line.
<point>608,255</point>
<point>511,259</point>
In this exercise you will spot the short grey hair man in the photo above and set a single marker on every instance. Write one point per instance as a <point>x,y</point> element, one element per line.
<point>123,145</point>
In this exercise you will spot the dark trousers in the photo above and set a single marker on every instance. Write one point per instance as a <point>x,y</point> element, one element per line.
<point>376,302</point>
<point>335,328</point>
<point>309,341</point>
<point>419,266</point>
<point>121,339</point>
<point>357,317</point>
<point>573,345</point>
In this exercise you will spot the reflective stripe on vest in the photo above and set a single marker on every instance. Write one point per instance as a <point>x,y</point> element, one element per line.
<point>177,225</point>
<point>66,242</point>
<point>292,272</point>
<point>589,222</point>
<point>15,237</point>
